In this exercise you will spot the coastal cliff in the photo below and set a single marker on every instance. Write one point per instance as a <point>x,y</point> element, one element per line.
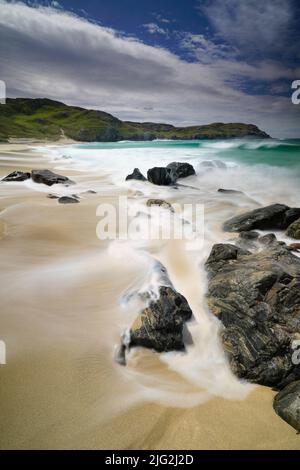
<point>44,119</point>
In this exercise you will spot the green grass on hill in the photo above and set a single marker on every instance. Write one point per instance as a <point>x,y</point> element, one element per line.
<point>44,119</point>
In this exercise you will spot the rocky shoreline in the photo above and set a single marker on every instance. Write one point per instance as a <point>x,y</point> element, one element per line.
<point>253,289</point>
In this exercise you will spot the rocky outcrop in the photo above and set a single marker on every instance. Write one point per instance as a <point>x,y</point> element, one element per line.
<point>160,325</point>
<point>162,176</point>
<point>17,176</point>
<point>275,216</point>
<point>287,404</point>
<point>49,178</point>
<point>183,170</point>
<point>136,175</point>
<point>257,298</point>
<point>68,200</point>
<point>293,230</point>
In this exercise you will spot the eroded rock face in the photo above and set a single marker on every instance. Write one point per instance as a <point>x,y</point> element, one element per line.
<point>160,325</point>
<point>182,169</point>
<point>136,175</point>
<point>49,178</point>
<point>257,298</point>
<point>162,176</point>
<point>17,176</point>
<point>293,230</point>
<point>287,404</point>
<point>275,216</point>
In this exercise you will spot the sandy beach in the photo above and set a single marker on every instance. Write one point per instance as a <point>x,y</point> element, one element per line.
<point>60,319</point>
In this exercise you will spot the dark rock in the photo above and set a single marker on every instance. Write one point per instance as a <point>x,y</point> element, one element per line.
<point>162,176</point>
<point>257,298</point>
<point>68,200</point>
<point>17,176</point>
<point>90,191</point>
<point>275,216</point>
<point>49,178</point>
<point>250,235</point>
<point>161,203</point>
<point>136,175</point>
<point>287,404</point>
<point>229,191</point>
<point>182,169</point>
<point>292,215</point>
<point>267,239</point>
<point>293,230</point>
<point>160,325</point>
<point>52,196</point>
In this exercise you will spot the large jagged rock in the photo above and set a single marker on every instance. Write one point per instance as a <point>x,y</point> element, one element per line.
<point>162,176</point>
<point>136,175</point>
<point>160,325</point>
<point>275,216</point>
<point>49,178</point>
<point>257,298</point>
<point>293,230</point>
<point>182,169</point>
<point>287,404</point>
<point>17,176</point>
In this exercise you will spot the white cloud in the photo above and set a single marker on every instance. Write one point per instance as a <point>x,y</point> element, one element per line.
<point>153,28</point>
<point>48,52</point>
<point>252,25</point>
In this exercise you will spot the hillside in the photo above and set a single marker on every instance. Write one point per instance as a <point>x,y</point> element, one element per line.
<point>45,119</point>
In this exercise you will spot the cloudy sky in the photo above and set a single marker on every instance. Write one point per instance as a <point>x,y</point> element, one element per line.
<point>179,61</point>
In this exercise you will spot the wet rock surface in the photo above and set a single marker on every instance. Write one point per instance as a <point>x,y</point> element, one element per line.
<point>257,298</point>
<point>160,203</point>
<point>136,175</point>
<point>68,200</point>
<point>287,404</point>
<point>160,325</point>
<point>183,170</point>
<point>275,216</point>
<point>49,178</point>
<point>162,176</point>
<point>293,230</point>
<point>17,176</point>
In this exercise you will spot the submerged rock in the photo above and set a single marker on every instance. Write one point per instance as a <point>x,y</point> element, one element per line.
<point>161,203</point>
<point>182,169</point>
<point>162,176</point>
<point>160,325</point>
<point>294,247</point>
<point>229,191</point>
<point>49,178</point>
<point>17,176</point>
<point>257,298</point>
<point>293,230</point>
<point>275,216</point>
<point>68,200</point>
<point>287,404</point>
<point>52,196</point>
<point>136,175</point>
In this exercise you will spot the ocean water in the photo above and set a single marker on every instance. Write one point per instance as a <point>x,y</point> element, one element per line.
<point>265,172</point>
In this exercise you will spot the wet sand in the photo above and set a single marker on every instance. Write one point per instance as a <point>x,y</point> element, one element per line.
<point>60,318</point>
